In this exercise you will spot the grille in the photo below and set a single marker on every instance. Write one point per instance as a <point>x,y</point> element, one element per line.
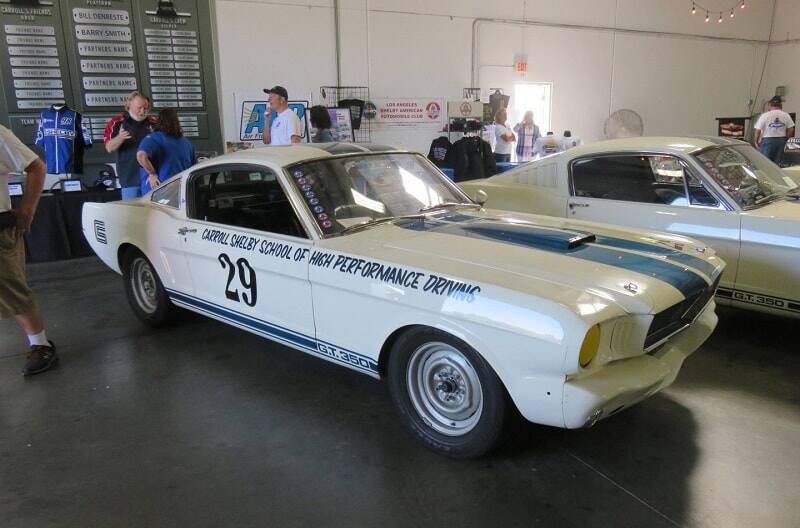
<point>679,315</point>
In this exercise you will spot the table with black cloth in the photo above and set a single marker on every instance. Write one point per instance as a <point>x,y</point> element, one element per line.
<point>56,232</point>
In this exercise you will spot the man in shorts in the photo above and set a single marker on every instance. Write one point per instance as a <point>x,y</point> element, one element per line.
<point>16,299</point>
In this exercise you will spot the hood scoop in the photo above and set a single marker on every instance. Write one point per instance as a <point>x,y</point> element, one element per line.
<point>530,236</point>
<point>520,234</point>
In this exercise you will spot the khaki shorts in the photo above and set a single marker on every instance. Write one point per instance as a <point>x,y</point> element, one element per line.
<point>15,296</point>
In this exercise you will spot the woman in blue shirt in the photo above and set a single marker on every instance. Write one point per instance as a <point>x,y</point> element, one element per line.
<point>165,152</point>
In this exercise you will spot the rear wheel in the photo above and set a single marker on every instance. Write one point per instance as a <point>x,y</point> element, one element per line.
<point>447,394</point>
<point>144,290</point>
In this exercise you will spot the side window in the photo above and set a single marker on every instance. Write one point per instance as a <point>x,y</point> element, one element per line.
<point>169,194</point>
<point>245,197</point>
<point>699,194</point>
<point>639,178</point>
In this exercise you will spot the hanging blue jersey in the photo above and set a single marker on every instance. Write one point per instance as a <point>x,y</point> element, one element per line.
<point>63,137</point>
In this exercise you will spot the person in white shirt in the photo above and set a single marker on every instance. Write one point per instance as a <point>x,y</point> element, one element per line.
<point>772,130</point>
<point>286,128</point>
<point>16,298</point>
<point>503,136</point>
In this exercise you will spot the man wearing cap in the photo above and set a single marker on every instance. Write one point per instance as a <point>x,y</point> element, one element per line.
<point>772,129</point>
<point>286,128</point>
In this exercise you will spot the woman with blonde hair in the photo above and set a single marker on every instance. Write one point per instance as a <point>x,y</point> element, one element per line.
<point>527,132</point>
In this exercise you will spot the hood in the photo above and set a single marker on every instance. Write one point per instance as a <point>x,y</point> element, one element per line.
<point>783,209</point>
<point>639,273</point>
<point>775,224</point>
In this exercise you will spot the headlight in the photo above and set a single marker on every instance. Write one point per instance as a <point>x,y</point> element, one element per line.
<point>591,343</point>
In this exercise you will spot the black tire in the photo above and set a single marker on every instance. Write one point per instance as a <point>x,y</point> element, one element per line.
<point>145,292</point>
<point>428,367</point>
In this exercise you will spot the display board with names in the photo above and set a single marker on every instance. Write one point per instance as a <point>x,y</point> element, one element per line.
<point>174,69</point>
<point>33,62</point>
<point>105,50</point>
<point>92,54</point>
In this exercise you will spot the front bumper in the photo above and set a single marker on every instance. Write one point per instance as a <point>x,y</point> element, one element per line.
<point>626,382</point>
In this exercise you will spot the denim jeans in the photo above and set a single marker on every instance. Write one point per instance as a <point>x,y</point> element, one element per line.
<point>772,148</point>
<point>131,192</point>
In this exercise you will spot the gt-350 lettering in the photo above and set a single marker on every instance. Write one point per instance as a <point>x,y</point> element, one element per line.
<point>758,299</point>
<point>345,356</point>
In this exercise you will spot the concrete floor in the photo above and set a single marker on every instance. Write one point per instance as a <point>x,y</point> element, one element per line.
<point>203,425</point>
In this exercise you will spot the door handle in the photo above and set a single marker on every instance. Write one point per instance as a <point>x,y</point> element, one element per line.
<point>573,205</point>
<point>184,230</point>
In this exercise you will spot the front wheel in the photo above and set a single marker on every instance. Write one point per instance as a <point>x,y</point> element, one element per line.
<point>447,394</point>
<point>144,290</point>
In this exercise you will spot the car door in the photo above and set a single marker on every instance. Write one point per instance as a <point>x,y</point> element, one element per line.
<point>166,250</point>
<point>246,248</point>
<point>654,192</point>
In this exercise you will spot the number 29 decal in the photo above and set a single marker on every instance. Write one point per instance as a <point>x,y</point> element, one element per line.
<point>247,280</point>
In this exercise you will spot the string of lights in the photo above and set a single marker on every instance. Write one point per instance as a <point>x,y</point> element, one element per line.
<point>731,11</point>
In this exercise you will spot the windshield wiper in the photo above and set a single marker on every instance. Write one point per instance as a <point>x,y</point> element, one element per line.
<point>793,194</point>
<point>448,204</point>
<point>376,221</point>
<point>767,198</point>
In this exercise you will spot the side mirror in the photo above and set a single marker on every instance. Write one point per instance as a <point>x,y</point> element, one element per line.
<point>480,197</point>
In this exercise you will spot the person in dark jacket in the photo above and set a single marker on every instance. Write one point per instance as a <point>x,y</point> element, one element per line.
<point>321,122</point>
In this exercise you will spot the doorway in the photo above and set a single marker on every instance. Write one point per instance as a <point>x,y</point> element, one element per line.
<point>535,96</point>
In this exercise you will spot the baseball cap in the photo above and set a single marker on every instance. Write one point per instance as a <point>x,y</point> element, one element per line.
<point>776,100</point>
<point>278,90</point>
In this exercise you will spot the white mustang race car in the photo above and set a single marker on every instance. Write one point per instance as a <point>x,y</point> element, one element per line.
<point>721,191</point>
<point>368,257</point>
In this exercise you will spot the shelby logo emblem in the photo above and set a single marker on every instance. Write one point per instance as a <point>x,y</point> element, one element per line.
<point>433,109</point>
<point>100,231</point>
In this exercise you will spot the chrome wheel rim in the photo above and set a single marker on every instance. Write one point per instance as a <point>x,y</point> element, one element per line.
<point>444,389</point>
<point>144,285</point>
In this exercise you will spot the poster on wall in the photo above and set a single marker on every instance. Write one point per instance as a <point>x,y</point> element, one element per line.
<point>253,119</point>
<point>342,125</point>
<point>732,127</point>
<point>406,111</point>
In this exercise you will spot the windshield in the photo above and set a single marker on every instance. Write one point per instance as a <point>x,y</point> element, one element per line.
<point>348,191</point>
<point>748,177</point>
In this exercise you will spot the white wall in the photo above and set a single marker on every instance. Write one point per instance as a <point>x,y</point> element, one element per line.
<point>783,64</point>
<point>422,48</point>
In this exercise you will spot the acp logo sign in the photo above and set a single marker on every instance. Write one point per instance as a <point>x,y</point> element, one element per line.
<point>254,118</point>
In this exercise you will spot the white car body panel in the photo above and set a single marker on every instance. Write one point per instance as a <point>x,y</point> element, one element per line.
<point>525,309</point>
<point>760,246</point>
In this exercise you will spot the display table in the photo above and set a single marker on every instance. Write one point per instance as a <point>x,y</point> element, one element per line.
<point>56,232</point>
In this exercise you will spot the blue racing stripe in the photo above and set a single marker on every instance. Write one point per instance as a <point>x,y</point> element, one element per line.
<point>672,254</point>
<point>278,332</point>
<point>687,281</point>
<point>676,274</point>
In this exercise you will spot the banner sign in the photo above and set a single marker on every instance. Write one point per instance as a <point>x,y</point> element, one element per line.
<point>396,111</point>
<point>251,125</point>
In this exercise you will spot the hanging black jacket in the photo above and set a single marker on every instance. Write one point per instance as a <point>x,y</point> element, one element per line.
<point>472,159</point>
<point>439,152</point>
